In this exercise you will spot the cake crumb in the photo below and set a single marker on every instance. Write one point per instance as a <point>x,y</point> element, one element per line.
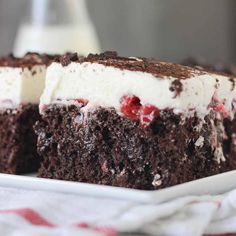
<point>200,142</point>
<point>157,180</point>
<point>104,167</point>
<point>219,155</point>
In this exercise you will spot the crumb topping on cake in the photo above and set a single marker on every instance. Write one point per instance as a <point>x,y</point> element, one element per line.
<point>157,68</point>
<point>27,61</point>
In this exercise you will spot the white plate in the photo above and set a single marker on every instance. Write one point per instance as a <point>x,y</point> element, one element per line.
<point>211,185</point>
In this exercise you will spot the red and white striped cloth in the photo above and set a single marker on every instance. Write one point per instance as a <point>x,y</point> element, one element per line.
<point>36,213</point>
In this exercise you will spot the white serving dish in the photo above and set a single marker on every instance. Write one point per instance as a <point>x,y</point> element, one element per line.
<point>211,185</point>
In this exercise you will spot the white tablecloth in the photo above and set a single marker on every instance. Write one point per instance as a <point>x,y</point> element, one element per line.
<point>24,213</point>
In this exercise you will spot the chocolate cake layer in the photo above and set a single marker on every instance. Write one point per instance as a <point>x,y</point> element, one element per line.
<point>18,153</point>
<point>22,81</point>
<point>106,148</point>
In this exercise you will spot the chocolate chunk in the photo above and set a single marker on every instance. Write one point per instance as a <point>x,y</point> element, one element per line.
<point>177,87</point>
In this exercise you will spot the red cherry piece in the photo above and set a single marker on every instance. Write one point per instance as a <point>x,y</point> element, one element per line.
<point>148,113</point>
<point>130,107</point>
<point>221,108</point>
<point>218,106</point>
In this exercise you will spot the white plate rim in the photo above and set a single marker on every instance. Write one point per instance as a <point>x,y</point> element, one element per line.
<point>216,184</point>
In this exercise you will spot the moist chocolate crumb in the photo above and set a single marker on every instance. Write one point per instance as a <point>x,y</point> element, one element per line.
<point>106,148</point>
<point>18,152</point>
<point>104,56</point>
<point>177,87</point>
<point>68,58</point>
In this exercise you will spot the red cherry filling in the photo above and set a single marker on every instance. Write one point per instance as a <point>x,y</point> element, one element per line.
<point>130,107</point>
<point>133,109</point>
<point>221,108</point>
<point>148,113</point>
<point>218,106</point>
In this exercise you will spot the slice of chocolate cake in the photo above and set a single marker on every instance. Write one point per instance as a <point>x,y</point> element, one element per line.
<point>135,122</point>
<point>21,85</point>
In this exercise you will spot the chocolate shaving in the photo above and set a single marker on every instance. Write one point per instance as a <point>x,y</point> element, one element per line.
<point>155,67</point>
<point>27,61</point>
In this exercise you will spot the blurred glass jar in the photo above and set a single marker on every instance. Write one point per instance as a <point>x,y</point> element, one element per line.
<point>56,26</point>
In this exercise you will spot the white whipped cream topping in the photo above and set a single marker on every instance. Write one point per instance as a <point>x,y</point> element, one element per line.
<point>104,86</point>
<point>21,85</point>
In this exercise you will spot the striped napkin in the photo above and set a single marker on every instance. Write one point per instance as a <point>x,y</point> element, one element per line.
<point>37,213</point>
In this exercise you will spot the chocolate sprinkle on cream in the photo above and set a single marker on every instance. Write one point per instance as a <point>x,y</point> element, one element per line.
<point>27,61</point>
<point>157,68</point>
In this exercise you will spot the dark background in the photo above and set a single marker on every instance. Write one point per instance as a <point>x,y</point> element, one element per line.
<point>166,29</point>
